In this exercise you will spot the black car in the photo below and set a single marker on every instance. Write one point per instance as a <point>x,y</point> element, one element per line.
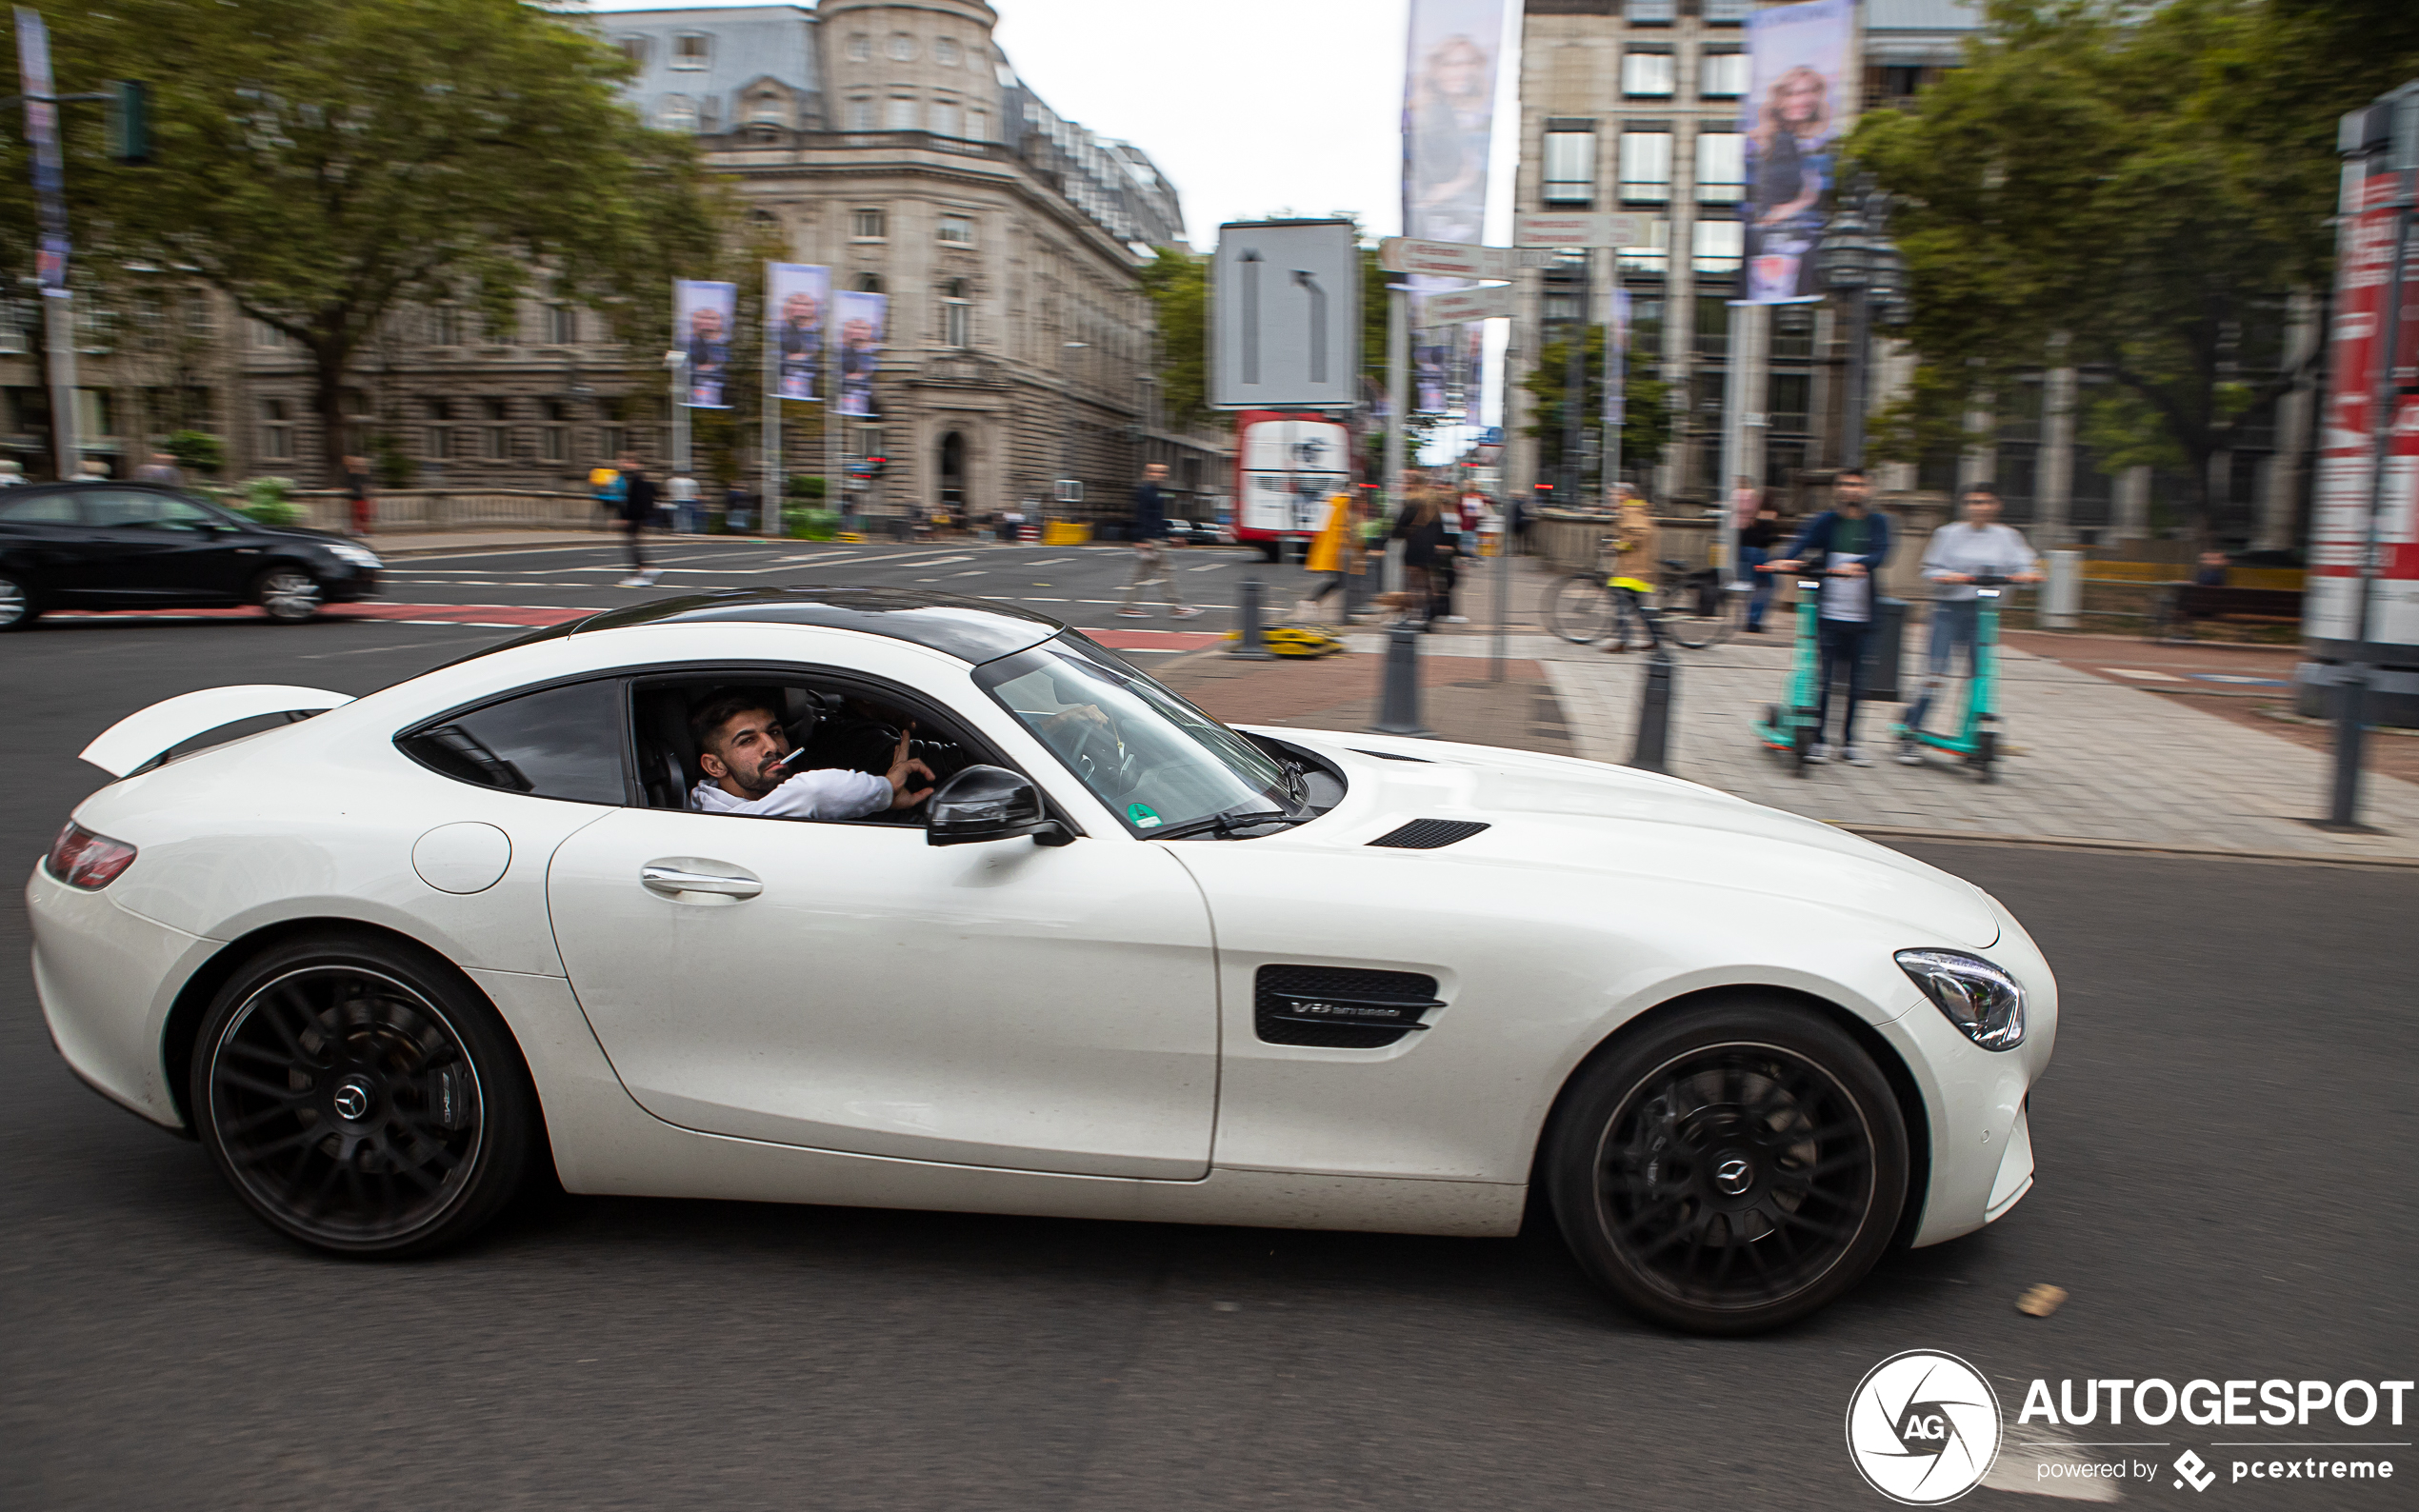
<point>130,546</point>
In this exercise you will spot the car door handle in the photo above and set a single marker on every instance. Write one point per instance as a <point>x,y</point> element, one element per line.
<point>673,880</point>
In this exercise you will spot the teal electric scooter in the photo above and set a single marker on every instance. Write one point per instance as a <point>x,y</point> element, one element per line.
<point>1977,737</point>
<point>1788,726</point>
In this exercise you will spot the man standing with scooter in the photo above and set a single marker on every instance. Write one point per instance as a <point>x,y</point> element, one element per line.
<point>1976,545</point>
<point>1847,544</point>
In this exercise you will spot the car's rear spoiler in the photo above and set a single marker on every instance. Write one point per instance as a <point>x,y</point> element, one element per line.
<point>133,741</point>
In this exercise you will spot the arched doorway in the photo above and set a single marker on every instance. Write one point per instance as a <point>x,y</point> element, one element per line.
<point>952,473</point>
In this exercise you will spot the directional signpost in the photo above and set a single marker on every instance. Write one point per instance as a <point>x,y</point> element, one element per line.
<point>1285,316</point>
<point>1455,306</point>
<point>1599,229</point>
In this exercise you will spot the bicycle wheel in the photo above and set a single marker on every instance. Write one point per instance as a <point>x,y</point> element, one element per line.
<point>1580,610</point>
<point>1691,617</point>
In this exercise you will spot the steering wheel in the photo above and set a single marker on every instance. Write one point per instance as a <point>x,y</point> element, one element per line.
<point>1096,753</point>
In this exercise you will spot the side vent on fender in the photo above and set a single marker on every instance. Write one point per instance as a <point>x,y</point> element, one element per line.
<point>1429,834</point>
<point>1340,1007</point>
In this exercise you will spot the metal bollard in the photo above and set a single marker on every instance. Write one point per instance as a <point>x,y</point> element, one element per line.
<point>1398,708</point>
<point>1654,715</point>
<point>1248,645</point>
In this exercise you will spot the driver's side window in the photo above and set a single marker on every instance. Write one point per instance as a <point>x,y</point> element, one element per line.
<point>777,745</point>
<point>112,508</point>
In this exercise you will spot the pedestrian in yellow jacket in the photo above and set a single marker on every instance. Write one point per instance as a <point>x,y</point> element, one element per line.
<point>1334,551</point>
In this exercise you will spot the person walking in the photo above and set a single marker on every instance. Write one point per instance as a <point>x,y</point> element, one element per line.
<point>364,511</point>
<point>1849,543</point>
<point>1332,554</point>
<point>1756,539</point>
<point>161,469</point>
<point>638,509</point>
<point>605,486</point>
<point>1636,542</point>
<point>1421,529</point>
<point>1149,533</point>
<point>1958,552</point>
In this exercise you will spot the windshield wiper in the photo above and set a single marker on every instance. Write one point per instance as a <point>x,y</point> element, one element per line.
<point>1226,825</point>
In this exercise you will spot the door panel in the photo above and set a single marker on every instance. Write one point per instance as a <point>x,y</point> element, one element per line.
<point>848,986</point>
<point>160,548</point>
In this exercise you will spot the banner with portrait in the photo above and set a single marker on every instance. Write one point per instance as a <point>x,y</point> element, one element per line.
<point>1448,132</point>
<point>703,316</point>
<point>797,296</point>
<point>1797,108</point>
<point>859,318</point>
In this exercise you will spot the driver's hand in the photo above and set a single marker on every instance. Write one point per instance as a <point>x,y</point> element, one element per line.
<point>1084,713</point>
<point>904,769</point>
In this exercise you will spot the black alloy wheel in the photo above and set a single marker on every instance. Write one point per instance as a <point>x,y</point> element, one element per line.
<point>288,593</point>
<point>17,609</point>
<point>1731,1169</point>
<point>361,1097</point>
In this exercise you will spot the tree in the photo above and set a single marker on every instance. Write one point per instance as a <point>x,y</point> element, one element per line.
<point>2125,185</point>
<point>1646,414</point>
<point>1177,283</point>
<point>324,163</point>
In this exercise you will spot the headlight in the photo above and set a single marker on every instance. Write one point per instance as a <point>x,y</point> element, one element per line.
<point>1979,997</point>
<point>346,552</point>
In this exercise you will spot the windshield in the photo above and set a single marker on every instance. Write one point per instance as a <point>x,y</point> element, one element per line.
<point>1153,758</point>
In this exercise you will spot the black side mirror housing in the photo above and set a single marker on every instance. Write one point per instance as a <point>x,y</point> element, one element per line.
<point>989,803</point>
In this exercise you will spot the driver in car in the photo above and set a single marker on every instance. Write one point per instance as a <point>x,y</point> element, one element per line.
<point>745,753</point>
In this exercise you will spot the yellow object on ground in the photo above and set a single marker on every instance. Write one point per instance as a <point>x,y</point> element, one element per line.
<point>1065,532</point>
<point>1295,640</point>
<point>848,536</point>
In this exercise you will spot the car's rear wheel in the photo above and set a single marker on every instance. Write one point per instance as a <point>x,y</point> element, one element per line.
<point>17,609</point>
<point>361,1097</point>
<point>1730,1168</point>
<point>289,595</point>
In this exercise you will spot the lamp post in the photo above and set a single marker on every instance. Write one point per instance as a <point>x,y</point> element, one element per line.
<point>1857,260</point>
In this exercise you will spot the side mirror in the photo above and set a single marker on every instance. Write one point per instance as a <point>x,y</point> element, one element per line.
<point>989,803</point>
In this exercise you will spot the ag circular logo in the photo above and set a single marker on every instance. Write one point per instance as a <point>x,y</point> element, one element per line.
<point>1923,1427</point>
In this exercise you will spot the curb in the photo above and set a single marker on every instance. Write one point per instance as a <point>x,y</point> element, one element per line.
<point>2125,848</point>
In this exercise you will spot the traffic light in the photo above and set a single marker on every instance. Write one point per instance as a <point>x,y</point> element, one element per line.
<point>130,122</point>
<point>873,466</point>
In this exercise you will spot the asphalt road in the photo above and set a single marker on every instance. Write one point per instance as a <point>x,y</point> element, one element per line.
<point>2226,1146</point>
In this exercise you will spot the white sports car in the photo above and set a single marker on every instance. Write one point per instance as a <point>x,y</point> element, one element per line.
<point>1125,963</point>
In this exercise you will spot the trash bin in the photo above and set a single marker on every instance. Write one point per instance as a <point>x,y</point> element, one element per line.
<point>1882,649</point>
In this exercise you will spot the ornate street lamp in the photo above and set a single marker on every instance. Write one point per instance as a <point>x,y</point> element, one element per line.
<point>1856,262</point>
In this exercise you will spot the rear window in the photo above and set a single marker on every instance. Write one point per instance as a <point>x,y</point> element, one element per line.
<point>556,743</point>
<point>42,508</point>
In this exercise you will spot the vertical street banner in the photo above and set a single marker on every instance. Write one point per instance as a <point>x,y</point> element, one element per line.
<point>42,134</point>
<point>1616,384</point>
<point>1796,111</point>
<point>1448,132</point>
<point>796,296</point>
<point>860,318</point>
<point>703,316</point>
<point>1474,374</point>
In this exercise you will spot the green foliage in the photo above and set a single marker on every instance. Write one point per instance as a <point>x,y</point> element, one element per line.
<point>804,485</point>
<point>1178,284</point>
<point>265,500</point>
<point>325,162</point>
<point>1645,417</point>
<point>811,524</point>
<point>197,450</point>
<point>2142,185</point>
<point>392,467</point>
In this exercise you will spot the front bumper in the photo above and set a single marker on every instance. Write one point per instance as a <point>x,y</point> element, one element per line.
<point>361,584</point>
<point>107,978</point>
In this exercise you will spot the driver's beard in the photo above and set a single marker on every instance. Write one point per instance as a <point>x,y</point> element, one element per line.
<point>754,784</point>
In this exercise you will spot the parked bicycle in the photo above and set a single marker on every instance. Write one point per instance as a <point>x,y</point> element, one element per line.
<point>1691,606</point>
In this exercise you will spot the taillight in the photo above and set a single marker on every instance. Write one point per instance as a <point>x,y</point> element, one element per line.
<point>83,858</point>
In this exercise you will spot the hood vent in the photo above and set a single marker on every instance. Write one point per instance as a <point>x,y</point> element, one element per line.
<point>1429,834</point>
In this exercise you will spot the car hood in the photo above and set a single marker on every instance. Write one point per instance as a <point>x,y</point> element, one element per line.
<point>1586,817</point>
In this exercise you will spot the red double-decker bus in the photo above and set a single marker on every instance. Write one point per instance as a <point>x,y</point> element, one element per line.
<point>1287,464</point>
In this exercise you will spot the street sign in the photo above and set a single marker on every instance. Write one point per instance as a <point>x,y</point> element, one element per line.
<point>1409,254</point>
<point>1285,315</point>
<point>1488,302</point>
<point>1600,228</point>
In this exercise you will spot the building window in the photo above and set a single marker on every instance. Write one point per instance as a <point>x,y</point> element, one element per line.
<point>869,442</point>
<point>497,438</point>
<point>267,337</point>
<point>1645,166</point>
<point>1786,402</point>
<point>899,114</point>
<point>1726,12</point>
<point>201,320</point>
<point>1718,246</point>
<point>633,48</point>
<point>1721,166</point>
<point>562,326</point>
<point>767,109</point>
<point>958,230</point>
<point>902,47</point>
<point>868,282</point>
<point>944,118</point>
<point>956,314</point>
<point>276,430</point>
<point>611,441</point>
<point>945,52</point>
<point>1650,256</point>
<point>1794,331</point>
<point>867,226</point>
<point>1712,333</point>
<point>978,124</point>
<point>677,113</point>
<point>1571,167</point>
<point>860,48</point>
<point>689,51</point>
<point>1646,74</point>
<point>1722,75</point>
<point>554,442</point>
<point>1651,12</point>
<point>861,113</point>
<point>12,330</point>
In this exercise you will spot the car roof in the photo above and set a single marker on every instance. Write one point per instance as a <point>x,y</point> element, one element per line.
<point>971,629</point>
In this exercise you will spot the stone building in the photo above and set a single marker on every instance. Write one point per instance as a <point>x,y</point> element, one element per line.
<point>894,143</point>
<point>152,358</point>
<point>1634,105</point>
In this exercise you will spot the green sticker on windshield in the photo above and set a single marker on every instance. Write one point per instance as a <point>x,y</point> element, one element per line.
<point>1141,816</point>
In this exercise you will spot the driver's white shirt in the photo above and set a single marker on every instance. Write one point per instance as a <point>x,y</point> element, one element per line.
<point>808,795</point>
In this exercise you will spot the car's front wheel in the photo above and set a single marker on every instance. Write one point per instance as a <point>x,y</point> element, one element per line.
<point>1730,1168</point>
<point>361,1097</point>
<point>289,595</point>
<point>17,609</point>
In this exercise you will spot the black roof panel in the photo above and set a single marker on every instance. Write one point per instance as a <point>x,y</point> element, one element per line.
<point>971,629</point>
